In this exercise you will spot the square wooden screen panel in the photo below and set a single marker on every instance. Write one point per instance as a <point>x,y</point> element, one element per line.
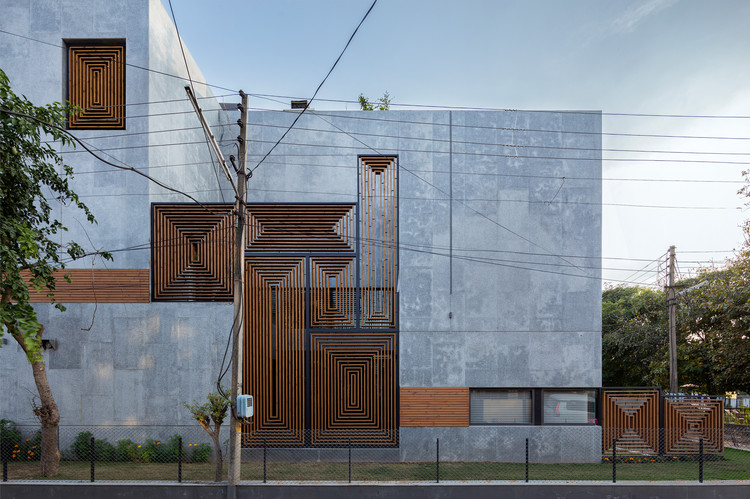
<point>353,389</point>
<point>687,420</point>
<point>274,352</point>
<point>192,252</point>
<point>96,84</point>
<point>632,417</point>
<point>301,227</point>
<point>333,292</point>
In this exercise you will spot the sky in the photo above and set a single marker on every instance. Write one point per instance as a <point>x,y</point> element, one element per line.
<point>629,59</point>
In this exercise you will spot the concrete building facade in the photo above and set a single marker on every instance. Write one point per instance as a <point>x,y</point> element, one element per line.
<point>482,229</point>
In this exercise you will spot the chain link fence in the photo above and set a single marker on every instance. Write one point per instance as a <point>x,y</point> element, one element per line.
<point>187,453</point>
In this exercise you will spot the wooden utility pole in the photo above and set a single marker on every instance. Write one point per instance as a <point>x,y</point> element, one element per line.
<point>672,307</point>
<point>235,426</point>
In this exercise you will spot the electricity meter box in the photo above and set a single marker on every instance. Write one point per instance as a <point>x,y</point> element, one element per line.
<point>244,406</point>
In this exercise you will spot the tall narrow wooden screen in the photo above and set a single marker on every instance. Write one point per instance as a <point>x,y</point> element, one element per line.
<point>192,252</point>
<point>378,240</point>
<point>301,227</point>
<point>353,388</point>
<point>687,420</point>
<point>632,417</point>
<point>332,292</point>
<point>96,84</point>
<point>274,369</point>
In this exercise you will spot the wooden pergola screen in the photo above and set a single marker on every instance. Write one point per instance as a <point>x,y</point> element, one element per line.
<point>333,292</point>
<point>96,84</point>
<point>687,420</point>
<point>353,389</point>
<point>274,367</point>
<point>301,227</point>
<point>192,257</point>
<point>378,240</point>
<point>632,417</point>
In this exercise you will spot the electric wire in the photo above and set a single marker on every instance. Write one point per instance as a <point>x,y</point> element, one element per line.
<point>317,89</point>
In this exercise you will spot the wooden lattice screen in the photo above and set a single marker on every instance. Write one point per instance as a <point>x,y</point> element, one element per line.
<point>96,84</point>
<point>301,227</point>
<point>631,417</point>
<point>192,252</point>
<point>274,370</point>
<point>378,240</point>
<point>333,292</point>
<point>353,388</point>
<point>687,420</point>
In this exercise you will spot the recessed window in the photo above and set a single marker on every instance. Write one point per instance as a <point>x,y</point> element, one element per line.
<point>569,407</point>
<point>96,84</point>
<point>488,407</point>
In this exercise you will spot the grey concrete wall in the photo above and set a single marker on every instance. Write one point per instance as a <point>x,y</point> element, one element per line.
<point>547,444</point>
<point>119,364</point>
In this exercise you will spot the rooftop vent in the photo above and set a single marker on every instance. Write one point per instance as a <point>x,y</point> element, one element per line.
<point>299,104</point>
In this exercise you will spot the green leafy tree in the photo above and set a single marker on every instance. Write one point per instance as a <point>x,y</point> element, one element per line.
<point>383,103</point>
<point>32,173</point>
<point>213,411</point>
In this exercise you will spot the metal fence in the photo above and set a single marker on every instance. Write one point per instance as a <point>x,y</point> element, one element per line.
<point>177,454</point>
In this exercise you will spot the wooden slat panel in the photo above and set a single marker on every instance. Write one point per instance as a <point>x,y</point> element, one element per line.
<point>687,420</point>
<point>632,417</point>
<point>98,286</point>
<point>353,389</point>
<point>274,352</point>
<point>333,292</point>
<point>192,252</point>
<point>434,406</point>
<point>96,84</point>
<point>301,227</point>
<point>378,240</point>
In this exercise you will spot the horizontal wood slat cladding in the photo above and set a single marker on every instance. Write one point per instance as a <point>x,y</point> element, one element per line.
<point>301,227</point>
<point>96,84</point>
<point>434,406</point>
<point>98,286</point>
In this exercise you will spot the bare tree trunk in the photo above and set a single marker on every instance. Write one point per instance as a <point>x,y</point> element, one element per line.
<point>48,413</point>
<point>219,457</point>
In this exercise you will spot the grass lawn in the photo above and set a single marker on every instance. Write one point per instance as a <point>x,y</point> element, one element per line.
<point>734,466</point>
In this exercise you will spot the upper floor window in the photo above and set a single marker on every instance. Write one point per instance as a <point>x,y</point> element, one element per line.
<point>96,84</point>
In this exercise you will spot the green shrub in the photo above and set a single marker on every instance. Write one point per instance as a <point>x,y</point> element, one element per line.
<point>127,450</point>
<point>103,450</point>
<point>201,453</point>
<point>173,449</point>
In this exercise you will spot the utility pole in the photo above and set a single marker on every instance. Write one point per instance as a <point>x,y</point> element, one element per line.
<point>235,426</point>
<point>672,307</point>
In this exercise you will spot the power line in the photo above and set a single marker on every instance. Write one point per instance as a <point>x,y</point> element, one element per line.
<point>123,63</point>
<point>317,89</point>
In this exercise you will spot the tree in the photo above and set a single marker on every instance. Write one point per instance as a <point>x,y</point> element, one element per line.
<point>384,103</point>
<point>30,253</point>
<point>634,337</point>
<point>215,410</point>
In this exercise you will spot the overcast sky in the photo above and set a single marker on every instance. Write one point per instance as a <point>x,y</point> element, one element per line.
<point>662,57</point>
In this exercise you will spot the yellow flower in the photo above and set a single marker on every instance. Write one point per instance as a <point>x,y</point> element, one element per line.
<point>139,446</point>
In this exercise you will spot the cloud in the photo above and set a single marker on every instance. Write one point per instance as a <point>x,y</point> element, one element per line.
<point>629,19</point>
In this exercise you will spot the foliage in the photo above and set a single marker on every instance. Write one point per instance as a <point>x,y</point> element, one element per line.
<point>737,416</point>
<point>383,103</point>
<point>19,448</point>
<point>201,453</point>
<point>29,233</point>
<point>215,410</point>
